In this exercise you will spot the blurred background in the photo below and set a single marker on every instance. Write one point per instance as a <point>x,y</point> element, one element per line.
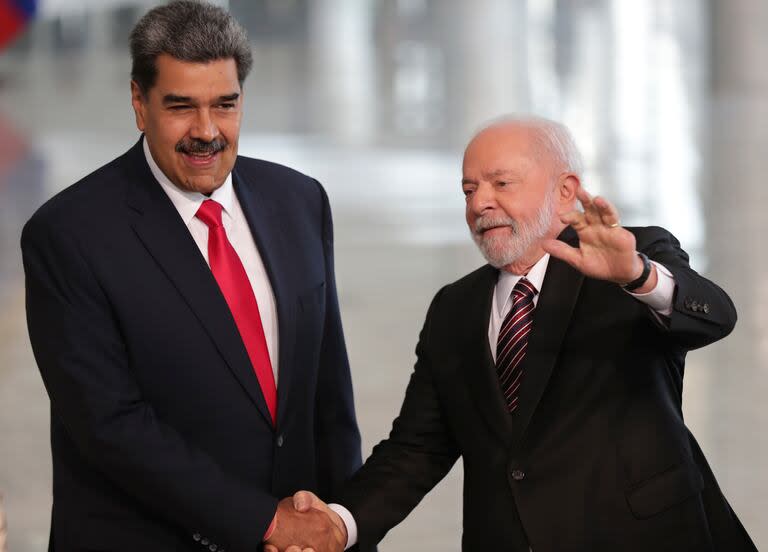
<point>376,99</point>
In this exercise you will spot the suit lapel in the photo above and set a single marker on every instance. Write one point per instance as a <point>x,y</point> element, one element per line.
<point>478,366</point>
<point>264,219</point>
<point>163,233</point>
<point>551,319</point>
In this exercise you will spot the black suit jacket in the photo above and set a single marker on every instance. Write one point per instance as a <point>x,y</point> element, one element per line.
<point>596,457</point>
<point>160,434</point>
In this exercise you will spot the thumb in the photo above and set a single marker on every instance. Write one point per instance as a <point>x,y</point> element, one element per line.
<point>563,251</point>
<point>303,501</point>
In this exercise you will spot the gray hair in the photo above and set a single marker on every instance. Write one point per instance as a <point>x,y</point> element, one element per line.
<point>551,139</point>
<point>188,30</point>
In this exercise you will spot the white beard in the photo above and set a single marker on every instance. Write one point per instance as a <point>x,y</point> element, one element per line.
<point>502,250</point>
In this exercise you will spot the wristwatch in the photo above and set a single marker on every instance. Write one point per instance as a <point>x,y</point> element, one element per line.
<point>634,284</point>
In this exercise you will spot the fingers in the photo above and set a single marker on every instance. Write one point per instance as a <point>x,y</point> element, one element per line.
<point>563,251</point>
<point>270,548</point>
<point>597,211</point>
<point>591,213</point>
<point>576,219</point>
<point>608,213</point>
<point>304,501</point>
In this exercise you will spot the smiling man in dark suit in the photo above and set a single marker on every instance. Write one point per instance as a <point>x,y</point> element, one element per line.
<point>183,313</point>
<point>555,372</point>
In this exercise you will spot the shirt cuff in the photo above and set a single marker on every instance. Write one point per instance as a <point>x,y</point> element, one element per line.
<point>660,297</point>
<point>349,521</point>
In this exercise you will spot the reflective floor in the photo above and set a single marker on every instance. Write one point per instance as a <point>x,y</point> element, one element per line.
<point>376,99</point>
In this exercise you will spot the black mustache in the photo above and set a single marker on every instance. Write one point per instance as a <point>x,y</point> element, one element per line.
<point>199,147</point>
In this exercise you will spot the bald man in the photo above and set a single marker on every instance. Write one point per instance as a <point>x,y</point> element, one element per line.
<point>555,371</point>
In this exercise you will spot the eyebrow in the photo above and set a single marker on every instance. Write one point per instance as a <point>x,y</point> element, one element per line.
<point>173,98</point>
<point>501,172</point>
<point>492,174</point>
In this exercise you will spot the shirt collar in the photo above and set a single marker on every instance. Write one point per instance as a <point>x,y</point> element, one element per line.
<point>507,281</point>
<point>187,203</point>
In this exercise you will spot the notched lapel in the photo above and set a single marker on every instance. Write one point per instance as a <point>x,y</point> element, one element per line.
<point>477,365</point>
<point>551,319</point>
<point>161,230</point>
<point>265,223</point>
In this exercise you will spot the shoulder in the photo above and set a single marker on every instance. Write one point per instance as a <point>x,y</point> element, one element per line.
<point>469,287</point>
<point>271,176</point>
<point>657,242</point>
<point>647,235</point>
<point>83,201</point>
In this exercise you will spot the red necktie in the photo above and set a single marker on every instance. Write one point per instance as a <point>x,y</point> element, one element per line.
<point>237,290</point>
<point>513,340</point>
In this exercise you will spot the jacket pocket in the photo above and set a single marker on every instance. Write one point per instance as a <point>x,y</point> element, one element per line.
<point>664,490</point>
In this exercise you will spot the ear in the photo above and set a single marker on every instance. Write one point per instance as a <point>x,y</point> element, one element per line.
<point>139,105</point>
<point>567,186</point>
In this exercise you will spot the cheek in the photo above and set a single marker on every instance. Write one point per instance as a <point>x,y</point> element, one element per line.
<point>469,215</point>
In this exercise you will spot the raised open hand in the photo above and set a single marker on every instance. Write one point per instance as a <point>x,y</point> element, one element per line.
<point>606,250</point>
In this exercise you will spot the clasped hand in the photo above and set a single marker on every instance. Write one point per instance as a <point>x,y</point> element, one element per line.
<point>304,523</point>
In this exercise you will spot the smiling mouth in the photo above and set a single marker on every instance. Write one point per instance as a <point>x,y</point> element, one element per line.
<point>200,159</point>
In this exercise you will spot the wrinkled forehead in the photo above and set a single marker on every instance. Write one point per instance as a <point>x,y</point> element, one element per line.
<point>490,156</point>
<point>510,147</point>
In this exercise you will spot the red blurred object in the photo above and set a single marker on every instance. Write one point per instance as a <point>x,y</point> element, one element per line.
<point>12,21</point>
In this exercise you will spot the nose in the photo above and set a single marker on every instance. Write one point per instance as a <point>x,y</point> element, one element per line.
<point>204,127</point>
<point>482,200</point>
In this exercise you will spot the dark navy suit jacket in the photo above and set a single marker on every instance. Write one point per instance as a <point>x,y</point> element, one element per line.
<point>160,435</point>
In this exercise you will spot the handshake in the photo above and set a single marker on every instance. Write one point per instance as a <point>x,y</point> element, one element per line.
<point>304,523</point>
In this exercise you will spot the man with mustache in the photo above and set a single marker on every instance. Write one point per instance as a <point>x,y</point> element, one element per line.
<point>183,313</point>
<point>555,372</point>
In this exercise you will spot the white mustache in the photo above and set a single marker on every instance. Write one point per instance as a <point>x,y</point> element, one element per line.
<point>487,222</point>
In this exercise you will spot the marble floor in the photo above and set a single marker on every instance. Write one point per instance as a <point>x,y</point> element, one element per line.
<point>376,98</point>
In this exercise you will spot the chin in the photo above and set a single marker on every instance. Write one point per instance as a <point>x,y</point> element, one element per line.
<point>203,184</point>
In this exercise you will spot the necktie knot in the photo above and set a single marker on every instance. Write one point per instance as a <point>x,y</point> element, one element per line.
<point>210,213</point>
<point>523,290</point>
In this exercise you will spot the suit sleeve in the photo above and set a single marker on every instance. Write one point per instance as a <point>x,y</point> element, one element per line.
<point>402,469</point>
<point>85,367</point>
<point>691,324</point>
<point>337,438</point>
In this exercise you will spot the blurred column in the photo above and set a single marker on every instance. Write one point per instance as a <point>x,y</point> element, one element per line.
<point>488,72</point>
<point>342,67</point>
<point>736,206</point>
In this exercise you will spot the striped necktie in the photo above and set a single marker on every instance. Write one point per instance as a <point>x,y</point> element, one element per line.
<point>513,341</point>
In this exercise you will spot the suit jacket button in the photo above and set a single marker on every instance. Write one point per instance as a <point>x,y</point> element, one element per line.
<point>694,306</point>
<point>687,302</point>
<point>212,548</point>
<point>196,536</point>
<point>518,475</point>
<point>204,542</point>
<point>705,308</point>
<point>280,440</point>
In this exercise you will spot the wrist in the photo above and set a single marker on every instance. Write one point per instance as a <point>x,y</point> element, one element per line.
<point>645,267</point>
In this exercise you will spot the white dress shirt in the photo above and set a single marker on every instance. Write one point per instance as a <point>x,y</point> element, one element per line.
<point>659,299</point>
<point>239,234</point>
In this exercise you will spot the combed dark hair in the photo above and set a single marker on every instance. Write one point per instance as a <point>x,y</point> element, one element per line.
<point>188,30</point>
